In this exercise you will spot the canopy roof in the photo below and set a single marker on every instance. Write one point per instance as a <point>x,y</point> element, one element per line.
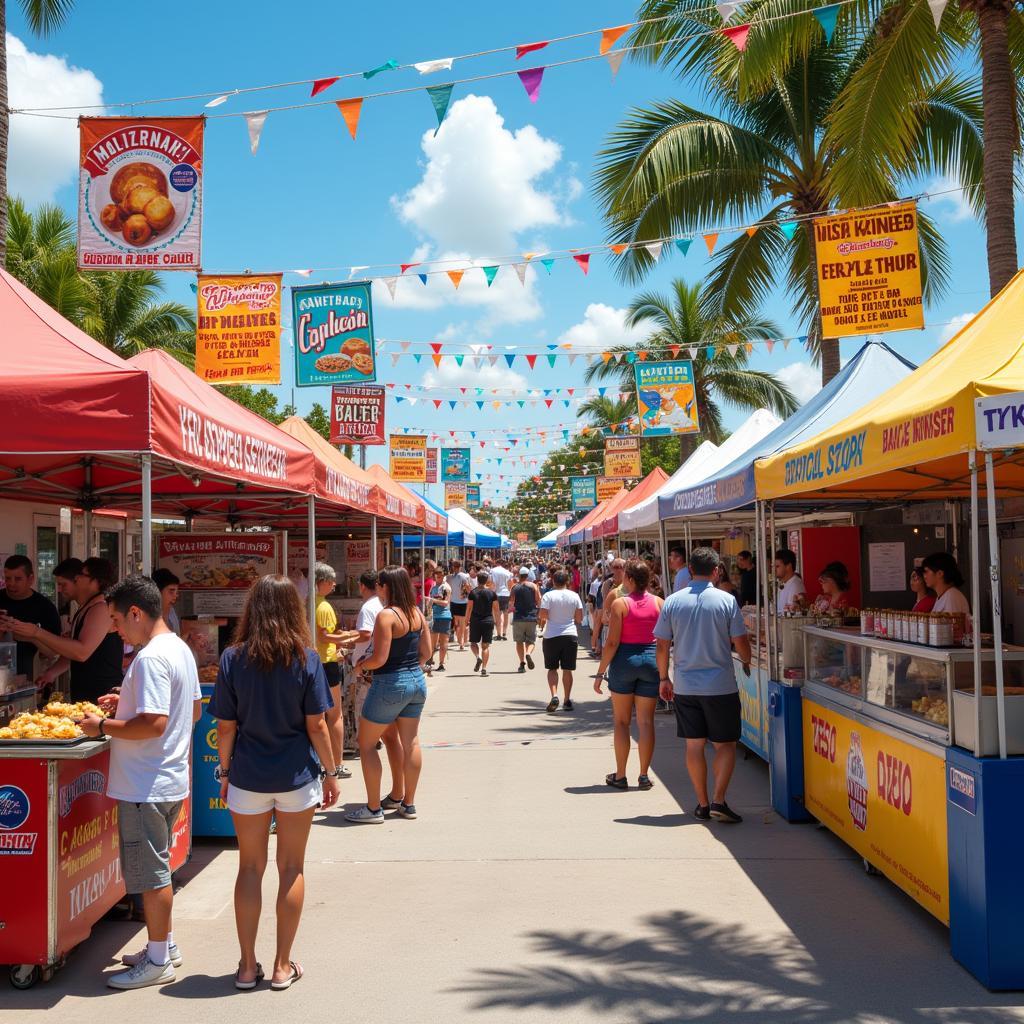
<point>644,513</point>
<point>910,442</point>
<point>616,502</point>
<point>402,505</point>
<point>576,533</point>
<point>651,484</point>
<point>483,536</point>
<point>549,540</point>
<point>873,368</point>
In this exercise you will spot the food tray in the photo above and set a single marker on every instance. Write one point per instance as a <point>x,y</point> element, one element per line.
<point>38,740</point>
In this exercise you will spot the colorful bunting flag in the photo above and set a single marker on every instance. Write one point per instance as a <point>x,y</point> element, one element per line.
<point>456,277</point>
<point>510,359</point>
<point>520,269</point>
<point>428,67</point>
<point>548,264</point>
<point>423,279</point>
<point>737,35</point>
<point>610,36</point>
<point>654,250</point>
<point>531,79</point>
<point>583,262</point>
<point>726,8</point>
<point>490,273</point>
<point>194,287</point>
<point>531,360</point>
<point>683,245</point>
<point>789,228</point>
<point>752,230</point>
<point>350,110</point>
<point>254,121</point>
<point>440,97</point>
<point>323,84</point>
<point>407,266</point>
<point>615,61</point>
<point>711,240</point>
<point>937,8</point>
<point>618,248</point>
<point>388,65</point>
<point>460,359</point>
<point>391,283</point>
<point>827,19</point>
<point>551,363</point>
<point>692,352</point>
<point>522,51</point>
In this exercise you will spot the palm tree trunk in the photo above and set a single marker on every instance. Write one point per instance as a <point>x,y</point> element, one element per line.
<point>4,131</point>
<point>1002,137</point>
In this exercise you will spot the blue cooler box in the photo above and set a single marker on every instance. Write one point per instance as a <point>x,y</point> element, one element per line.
<point>786,750</point>
<point>210,817</point>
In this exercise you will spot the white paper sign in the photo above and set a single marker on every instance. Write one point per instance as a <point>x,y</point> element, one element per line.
<point>887,566</point>
<point>999,421</point>
<point>219,602</point>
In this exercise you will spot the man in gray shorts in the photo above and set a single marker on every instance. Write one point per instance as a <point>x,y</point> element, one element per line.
<point>150,735</point>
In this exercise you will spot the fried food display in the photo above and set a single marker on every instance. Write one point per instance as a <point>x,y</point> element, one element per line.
<point>138,173</point>
<point>137,230</point>
<point>353,346</point>
<point>333,364</point>
<point>57,721</point>
<point>139,207</point>
<point>363,362</point>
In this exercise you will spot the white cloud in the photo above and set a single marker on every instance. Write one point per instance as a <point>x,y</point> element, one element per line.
<point>803,379</point>
<point>602,327</point>
<point>450,375</point>
<point>43,151</point>
<point>953,206</point>
<point>954,326</point>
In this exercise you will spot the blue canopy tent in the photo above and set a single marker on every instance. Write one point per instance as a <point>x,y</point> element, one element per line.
<point>457,537</point>
<point>550,540</point>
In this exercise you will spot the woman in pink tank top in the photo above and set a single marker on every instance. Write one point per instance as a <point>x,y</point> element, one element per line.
<point>629,655</point>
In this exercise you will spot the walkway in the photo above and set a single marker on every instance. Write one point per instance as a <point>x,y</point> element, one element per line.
<point>529,891</point>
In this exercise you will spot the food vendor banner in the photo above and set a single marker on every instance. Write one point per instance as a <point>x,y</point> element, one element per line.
<point>666,399</point>
<point>408,458</point>
<point>455,495</point>
<point>584,492</point>
<point>219,561</point>
<point>140,193</point>
<point>333,328</point>
<point>357,415</point>
<point>455,465</point>
<point>607,488</point>
<point>432,466</point>
<point>622,457</point>
<point>473,496</point>
<point>869,271</point>
<point>884,797</point>
<point>238,328</point>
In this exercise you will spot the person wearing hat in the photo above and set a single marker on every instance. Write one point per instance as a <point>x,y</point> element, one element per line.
<point>525,600</point>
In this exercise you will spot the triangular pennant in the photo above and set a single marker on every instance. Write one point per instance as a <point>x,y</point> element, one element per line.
<point>350,110</point>
<point>615,61</point>
<point>391,282</point>
<point>785,344</point>
<point>440,97</point>
<point>531,360</point>
<point>437,403</point>
<point>436,346</point>
<point>551,363</point>
<point>752,230</point>
<point>456,277</point>
<point>460,359</point>
<point>352,271</point>
<point>490,273</point>
<point>452,403</point>
<point>531,79</point>
<point>692,352</point>
<point>388,65</point>
<point>428,67</point>
<point>480,405</point>
<point>654,250</point>
<point>418,356</point>
<point>407,266</point>
<point>605,356</point>
<point>630,358</point>
<point>683,245</point>
<point>583,262</point>
<point>937,8</point>
<point>549,402</point>
<point>618,248</point>
<point>827,19</point>
<point>254,122</point>
<point>548,264</point>
<point>726,8</point>
<point>572,358</point>
<point>710,351</point>
<point>323,84</point>
<point>769,345</point>
<point>194,287</point>
<point>510,359</point>
<point>520,269</point>
<point>394,362</point>
<point>405,345</point>
<point>789,228</point>
<point>674,350</point>
<point>522,51</point>
<point>610,36</point>
<point>738,36</point>
<point>493,360</point>
<point>423,279</point>
<point>711,240</point>
<point>733,349</point>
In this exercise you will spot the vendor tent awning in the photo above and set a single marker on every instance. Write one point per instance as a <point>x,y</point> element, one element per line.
<point>484,537</point>
<point>577,533</point>
<point>453,538</point>
<point>550,540</point>
<point>618,501</point>
<point>401,504</point>
<point>651,484</point>
<point>644,513</point>
<point>910,442</point>
<point>873,368</point>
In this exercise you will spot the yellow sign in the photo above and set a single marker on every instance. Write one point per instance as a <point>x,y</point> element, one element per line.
<point>455,495</point>
<point>238,328</point>
<point>622,457</point>
<point>607,488</point>
<point>869,271</point>
<point>408,458</point>
<point>882,796</point>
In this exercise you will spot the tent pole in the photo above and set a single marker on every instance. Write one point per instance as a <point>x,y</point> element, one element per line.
<point>758,562</point>
<point>147,515</point>
<point>401,544</point>
<point>373,539</point>
<point>666,583</point>
<point>997,601</point>
<point>972,462</point>
<point>311,566</point>
<point>423,570</point>
<point>87,510</point>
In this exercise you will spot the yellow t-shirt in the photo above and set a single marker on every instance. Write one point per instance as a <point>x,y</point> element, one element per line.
<point>326,620</point>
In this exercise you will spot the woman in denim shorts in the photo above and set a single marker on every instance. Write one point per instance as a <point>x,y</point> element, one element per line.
<point>401,647</point>
<point>629,655</point>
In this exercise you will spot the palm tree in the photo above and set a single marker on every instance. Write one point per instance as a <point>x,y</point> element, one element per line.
<point>680,320</point>
<point>764,152</point>
<point>604,411</point>
<point>43,17</point>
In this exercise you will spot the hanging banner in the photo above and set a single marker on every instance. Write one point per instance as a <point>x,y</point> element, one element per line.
<point>584,491</point>
<point>455,465</point>
<point>666,400</point>
<point>357,416</point>
<point>869,271</point>
<point>238,328</point>
<point>473,496</point>
<point>431,465</point>
<point>622,457</point>
<point>333,326</point>
<point>408,458</point>
<point>607,487</point>
<point>219,561</point>
<point>140,193</point>
<point>455,496</point>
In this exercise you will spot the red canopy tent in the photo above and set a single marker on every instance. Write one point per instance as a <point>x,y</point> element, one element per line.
<point>609,525</point>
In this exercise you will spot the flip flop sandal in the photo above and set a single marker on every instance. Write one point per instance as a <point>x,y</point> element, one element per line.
<point>296,975</point>
<point>248,986</point>
<point>644,782</point>
<point>611,780</point>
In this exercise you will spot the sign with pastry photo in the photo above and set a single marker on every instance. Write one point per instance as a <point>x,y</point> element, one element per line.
<point>238,328</point>
<point>140,193</point>
<point>219,561</point>
<point>333,325</point>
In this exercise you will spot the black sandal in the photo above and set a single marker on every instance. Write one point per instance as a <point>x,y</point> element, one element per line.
<point>616,783</point>
<point>644,782</point>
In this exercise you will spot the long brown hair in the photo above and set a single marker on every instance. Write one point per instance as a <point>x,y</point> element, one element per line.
<point>398,590</point>
<point>273,629</point>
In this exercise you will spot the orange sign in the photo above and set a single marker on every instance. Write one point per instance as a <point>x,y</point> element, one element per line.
<point>607,488</point>
<point>622,457</point>
<point>883,797</point>
<point>238,329</point>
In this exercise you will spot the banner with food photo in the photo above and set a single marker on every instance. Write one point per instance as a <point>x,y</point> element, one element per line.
<point>584,491</point>
<point>473,496</point>
<point>238,328</point>
<point>431,465</point>
<point>219,561</point>
<point>666,398</point>
<point>333,326</point>
<point>357,415</point>
<point>455,465</point>
<point>408,458</point>
<point>140,193</point>
<point>455,496</point>
<point>622,457</point>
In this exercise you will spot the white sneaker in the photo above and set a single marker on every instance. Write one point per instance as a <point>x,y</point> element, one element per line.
<point>364,816</point>
<point>143,974</point>
<point>136,958</point>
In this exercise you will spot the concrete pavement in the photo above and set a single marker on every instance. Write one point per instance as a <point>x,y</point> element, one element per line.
<point>527,890</point>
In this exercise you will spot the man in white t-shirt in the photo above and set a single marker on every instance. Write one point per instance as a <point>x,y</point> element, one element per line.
<point>561,612</point>
<point>150,741</point>
<point>461,585</point>
<point>791,586</point>
<point>501,579</point>
<point>365,621</point>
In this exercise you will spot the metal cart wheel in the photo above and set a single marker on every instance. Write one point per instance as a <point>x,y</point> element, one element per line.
<point>25,975</point>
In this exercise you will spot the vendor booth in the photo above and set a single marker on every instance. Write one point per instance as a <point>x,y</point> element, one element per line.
<point>550,540</point>
<point>908,722</point>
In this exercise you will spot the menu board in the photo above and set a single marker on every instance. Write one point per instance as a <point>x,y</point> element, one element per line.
<point>622,457</point>
<point>219,561</point>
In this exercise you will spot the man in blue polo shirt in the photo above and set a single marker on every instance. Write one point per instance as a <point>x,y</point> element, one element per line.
<point>700,625</point>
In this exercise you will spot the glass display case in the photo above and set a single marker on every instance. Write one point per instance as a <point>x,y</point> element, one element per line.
<point>911,685</point>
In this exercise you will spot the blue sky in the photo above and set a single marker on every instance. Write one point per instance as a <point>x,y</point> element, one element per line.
<point>503,176</point>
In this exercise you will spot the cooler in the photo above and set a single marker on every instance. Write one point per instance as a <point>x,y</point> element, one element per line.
<point>786,751</point>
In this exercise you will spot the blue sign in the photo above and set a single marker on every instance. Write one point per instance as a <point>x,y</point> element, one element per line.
<point>584,491</point>
<point>719,495</point>
<point>472,496</point>
<point>333,328</point>
<point>455,465</point>
<point>14,807</point>
<point>962,789</point>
